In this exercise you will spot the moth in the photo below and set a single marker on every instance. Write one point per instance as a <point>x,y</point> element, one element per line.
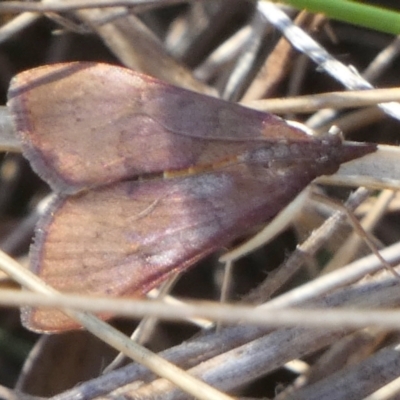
<point>149,177</point>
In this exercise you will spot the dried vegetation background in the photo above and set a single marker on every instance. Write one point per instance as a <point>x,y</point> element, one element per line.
<point>225,47</point>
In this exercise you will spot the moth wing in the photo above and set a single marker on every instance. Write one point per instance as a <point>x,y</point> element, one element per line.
<point>85,124</point>
<point>124,239</point>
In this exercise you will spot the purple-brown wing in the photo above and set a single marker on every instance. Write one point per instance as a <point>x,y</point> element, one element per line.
<point>85,124</point>
<point>123,239</point>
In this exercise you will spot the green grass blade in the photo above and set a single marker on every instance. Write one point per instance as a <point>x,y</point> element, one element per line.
<point>368,16</point>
